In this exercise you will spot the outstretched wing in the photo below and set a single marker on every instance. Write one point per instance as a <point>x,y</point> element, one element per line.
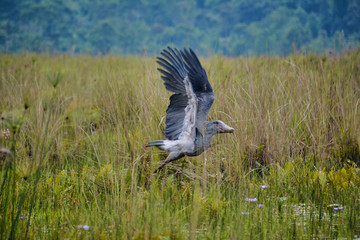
<point>201,87</point>
<point>189,106</point>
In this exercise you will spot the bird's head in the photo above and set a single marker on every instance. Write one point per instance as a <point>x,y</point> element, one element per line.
<point>217,126</point>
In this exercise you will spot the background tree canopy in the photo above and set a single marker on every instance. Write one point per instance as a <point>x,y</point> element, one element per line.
<point>241,27</point>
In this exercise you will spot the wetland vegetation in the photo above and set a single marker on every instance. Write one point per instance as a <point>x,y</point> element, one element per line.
<point>73,162</point>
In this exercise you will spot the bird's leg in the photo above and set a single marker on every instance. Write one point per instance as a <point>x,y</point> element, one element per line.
<point>170,158</point>
<point>162,165</point>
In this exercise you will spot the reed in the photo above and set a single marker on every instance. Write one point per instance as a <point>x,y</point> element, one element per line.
<point>73,162</point>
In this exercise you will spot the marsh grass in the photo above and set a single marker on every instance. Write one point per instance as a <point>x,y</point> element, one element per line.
<point>78,126</point>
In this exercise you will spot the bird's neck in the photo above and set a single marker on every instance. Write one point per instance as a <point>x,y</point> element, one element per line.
<point>207,139</point>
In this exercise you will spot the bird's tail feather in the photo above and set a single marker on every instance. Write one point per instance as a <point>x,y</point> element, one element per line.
<point>156,143</point>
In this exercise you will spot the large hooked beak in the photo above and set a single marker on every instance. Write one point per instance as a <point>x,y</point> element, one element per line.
<point>226,129</point>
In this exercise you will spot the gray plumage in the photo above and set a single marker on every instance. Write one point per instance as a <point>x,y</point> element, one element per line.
<point>189,106</point>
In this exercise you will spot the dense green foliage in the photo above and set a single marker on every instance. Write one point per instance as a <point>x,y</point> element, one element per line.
<point>72,138</point>
<point>233,28</point>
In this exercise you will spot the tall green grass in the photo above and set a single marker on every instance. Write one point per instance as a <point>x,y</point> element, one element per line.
<point>76,129</point>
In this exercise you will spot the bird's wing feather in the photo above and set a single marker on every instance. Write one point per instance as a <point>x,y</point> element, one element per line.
<point>181,114</point>
<point>189,106</point>
<point>196,72</point>
<point>175,71</point>
<point>175,116</point>
<point>201,86</point>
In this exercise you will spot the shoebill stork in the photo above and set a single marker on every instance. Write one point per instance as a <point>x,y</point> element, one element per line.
<point>187,130</point>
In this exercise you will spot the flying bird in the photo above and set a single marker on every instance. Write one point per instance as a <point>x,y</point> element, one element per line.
<point>187,130</point>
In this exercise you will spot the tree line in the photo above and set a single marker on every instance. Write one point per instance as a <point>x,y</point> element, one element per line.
<point>242,27</point>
